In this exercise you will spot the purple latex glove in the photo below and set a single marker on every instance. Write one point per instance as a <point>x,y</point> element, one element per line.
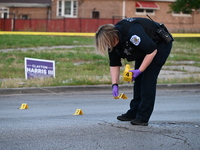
<point>136,73</point>
<point>115,90</point>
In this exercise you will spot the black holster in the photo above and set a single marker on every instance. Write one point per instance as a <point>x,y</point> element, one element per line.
<point>162,34</point>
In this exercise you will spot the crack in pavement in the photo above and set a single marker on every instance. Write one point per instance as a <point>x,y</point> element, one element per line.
<point>170,133</point>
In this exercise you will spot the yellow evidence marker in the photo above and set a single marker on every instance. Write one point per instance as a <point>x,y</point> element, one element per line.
<point>127,76</point>
<point>122,96</point>
<point>78,112</point>
<point>24,106</point>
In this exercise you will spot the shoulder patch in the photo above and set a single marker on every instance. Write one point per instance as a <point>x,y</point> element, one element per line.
<point>135,40</point>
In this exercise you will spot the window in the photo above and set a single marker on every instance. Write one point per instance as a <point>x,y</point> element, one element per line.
<point>181,14</point>
<point>144,11</point>
<point>59,8</point>
<point>4,12</point>
<point>146,7</point>
<point>95,14</point>
<point>24,17</point>
<point>67,8</point>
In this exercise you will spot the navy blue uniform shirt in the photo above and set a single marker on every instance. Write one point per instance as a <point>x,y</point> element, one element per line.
<point>138,38</point>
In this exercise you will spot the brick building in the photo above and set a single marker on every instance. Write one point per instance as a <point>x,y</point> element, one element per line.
<point>59,9</point>
<point>25,9</point>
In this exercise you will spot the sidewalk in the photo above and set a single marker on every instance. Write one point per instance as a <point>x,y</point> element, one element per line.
<point>43,48</point>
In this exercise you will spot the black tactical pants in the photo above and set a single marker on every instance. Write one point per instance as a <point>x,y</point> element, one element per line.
<point>141,107</point>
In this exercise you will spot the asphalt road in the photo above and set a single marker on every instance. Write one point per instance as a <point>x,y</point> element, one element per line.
<point>48,123</point>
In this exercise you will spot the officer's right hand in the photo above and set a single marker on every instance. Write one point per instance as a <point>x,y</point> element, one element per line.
<point>115,90</point>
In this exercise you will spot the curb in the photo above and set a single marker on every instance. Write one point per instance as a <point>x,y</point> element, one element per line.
<point>91,88</point>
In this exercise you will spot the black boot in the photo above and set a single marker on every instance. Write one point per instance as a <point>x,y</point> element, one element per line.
<point>124,117</point>
<point>139,122</point>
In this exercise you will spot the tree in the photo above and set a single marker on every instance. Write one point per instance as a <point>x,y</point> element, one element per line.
<point>186,6</point>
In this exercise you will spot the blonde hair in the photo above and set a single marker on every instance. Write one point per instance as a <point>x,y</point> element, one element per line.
<point>106,37</point>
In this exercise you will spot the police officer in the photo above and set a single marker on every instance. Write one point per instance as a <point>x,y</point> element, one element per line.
<point>135,39</point>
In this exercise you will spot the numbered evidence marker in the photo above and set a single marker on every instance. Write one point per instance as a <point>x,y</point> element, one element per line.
<point>121,95</point>
<point>127,76</point>
<point>24,106</point>
<point>78,112</point>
